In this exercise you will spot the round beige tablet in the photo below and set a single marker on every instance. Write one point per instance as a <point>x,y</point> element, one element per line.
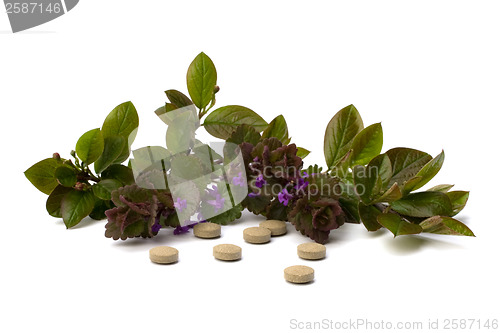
<point>276,227</point>
<point>311,251</point>
<point>164,255</point>
<point>227,252</point>
<point>299,274</point>
<point>257,235</point>
<point>207,230</point>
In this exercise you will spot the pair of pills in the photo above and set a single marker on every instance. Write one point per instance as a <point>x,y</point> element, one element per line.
<point>262,234</point>
<point>301,273</point>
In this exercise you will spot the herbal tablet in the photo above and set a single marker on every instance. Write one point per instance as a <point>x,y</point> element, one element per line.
<point>276,227</point>
<point>227,252</point>
<point>257,235</point>
<point>164,255</point>
<point>311,251</point>
<point>299,274</point>
<point>207,230</point>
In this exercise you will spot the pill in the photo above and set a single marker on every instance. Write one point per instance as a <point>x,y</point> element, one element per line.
<point>257,235</point>
<point>164,255</point>
<point>311,251</point>
<point>207,230</point>
<point>276,227</point>
<point>299,274</point>
<point>227,252</point>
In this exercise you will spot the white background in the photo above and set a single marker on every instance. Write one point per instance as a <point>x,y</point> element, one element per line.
<point>429,70</point>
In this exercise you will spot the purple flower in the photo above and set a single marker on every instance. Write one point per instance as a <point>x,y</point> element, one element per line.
<point>180,204</point>
<point>238,181</point>
<point>260,181</point>
<point>305,174</point>
<point>301,184</point>
<point>218,201</point>
<point>284,197</point>
<point>156,227</point>
<point>253,195</point>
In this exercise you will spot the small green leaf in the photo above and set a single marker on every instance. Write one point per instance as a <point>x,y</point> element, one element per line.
<point>302,152</point>
<point>119,172</point>
<point>406,163</point>
<point>41,175</point>
<point>222,122</point>
<point>122,121</point>
<point>245,133</point>
<point>65,176</point>
<point>458,200</point>
<point>367,144</point>
<point>423,204</point>
<point>181,133</point>
<point>278,129</point>
<point>90,146</point>
<point>409,184</point>
<point>445,225</point>
<point>165,114</point>
<point>177,98</point>
<point>100,208</point>
<point>428,172</point>
<point>440,188</point>
<point>341,169</point>
<point>113,147</point>
<point>103,189</point>
<point>340,133</point>
<point>368,216</point>
<point>75,206</point>
<point>381,165</point>
<point>53,204</point>
<point>395,224</point>
<point>201,80</point>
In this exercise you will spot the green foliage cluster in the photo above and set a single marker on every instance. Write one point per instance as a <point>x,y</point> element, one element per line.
<point>359,184</point>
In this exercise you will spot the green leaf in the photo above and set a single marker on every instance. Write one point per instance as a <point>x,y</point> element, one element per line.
<point>368,214</point>
<point>103,189</point>
<point>368,185</point>
<point>119,172</point>
<point>445,225</point>
<point>423,204</point>
<point>367,144</point>
<point>186,167</point>
<point>90,146</point>
<point>245,133</point>
<point>165,114</point>
<point>458,201</point>
<point>440,188</point>
<point>100,208</point>
<point>392,194</point>
<point>113,147</point>
<point>302,152</point>
<point>381,165</point>
<point>428,172</point>
<point>75,206</point>
<point>181,132</point>
<point>395,224</point>
<point>122,121</point>
<point>340,133</point>
<point>53,204</point>
<point>341,169</point>
<point>406,163</point>
<point>41,175</point>
<point>409,184</point>
<point>177,98</point>
<point>201,80</point>
<point>222,122</point>
<point>65,176</point>
<point>278,129</point>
